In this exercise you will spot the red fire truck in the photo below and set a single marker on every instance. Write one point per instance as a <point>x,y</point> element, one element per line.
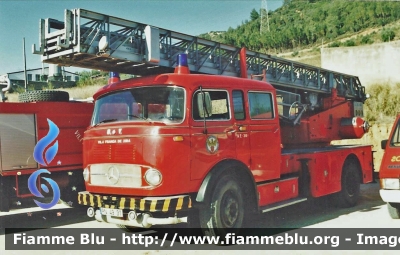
<point>22,125</point>
<point>389,172</point>
<point>214,134</point>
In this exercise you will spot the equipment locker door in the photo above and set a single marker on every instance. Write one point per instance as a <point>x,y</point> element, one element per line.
<point>17,141</point>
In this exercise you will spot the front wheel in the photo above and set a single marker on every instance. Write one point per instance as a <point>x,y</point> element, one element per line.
<point>226,210</point>
<point>394,210</point>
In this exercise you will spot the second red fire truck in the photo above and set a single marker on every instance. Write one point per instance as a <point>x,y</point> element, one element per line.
<point>22,125</point>
<point>389,172</point>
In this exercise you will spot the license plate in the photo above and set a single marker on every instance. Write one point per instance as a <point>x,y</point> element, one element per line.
<point>111,212</point>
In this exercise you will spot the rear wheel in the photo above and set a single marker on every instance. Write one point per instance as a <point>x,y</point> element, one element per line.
<point>394,210</point>
<point>350,192</point>
<point>70,197</point>
<point>4,203</point>
<point>226,210</point>
<point>75,184</point>
<point>4,196</point>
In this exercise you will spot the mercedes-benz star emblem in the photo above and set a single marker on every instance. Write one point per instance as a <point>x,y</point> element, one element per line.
<point>112,175</point>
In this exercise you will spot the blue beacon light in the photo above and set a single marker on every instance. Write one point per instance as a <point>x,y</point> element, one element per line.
<point>182,64</point>
<point>114,77</point>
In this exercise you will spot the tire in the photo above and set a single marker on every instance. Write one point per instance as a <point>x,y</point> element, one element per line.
<point>4,203</point>
<point>4,196</point>
<point>70,197</point>
<point>394,210</point>
<point>193,219</point>
<point>226,209</point>
<point>44,96</point>
<point>130,229</point>
<point>350,186</point>
<point>69,194</point>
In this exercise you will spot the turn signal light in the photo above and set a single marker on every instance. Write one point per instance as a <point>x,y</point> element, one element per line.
<point>86,174</point>
<point>178,138</point>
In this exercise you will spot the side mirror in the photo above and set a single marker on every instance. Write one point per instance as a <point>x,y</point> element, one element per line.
<point>204,104</point>
<point>383,144</point>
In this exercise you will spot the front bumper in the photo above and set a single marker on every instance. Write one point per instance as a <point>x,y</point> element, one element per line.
<point>146,204</point>
<point>137,212</point>
<point>390,196</point>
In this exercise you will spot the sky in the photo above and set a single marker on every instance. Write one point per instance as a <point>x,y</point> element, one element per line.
<point>20,19</point>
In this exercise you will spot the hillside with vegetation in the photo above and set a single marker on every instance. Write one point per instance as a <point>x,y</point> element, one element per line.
<point>302,24</point>
<point>300,28</point>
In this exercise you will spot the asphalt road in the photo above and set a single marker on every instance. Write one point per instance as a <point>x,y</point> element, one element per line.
<point>370,212</point>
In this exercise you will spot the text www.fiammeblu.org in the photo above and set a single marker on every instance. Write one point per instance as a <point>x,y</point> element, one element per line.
<point>170,239</point>
<point>229,239</point>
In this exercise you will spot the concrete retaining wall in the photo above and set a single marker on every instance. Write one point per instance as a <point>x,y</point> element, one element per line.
<point>377,63</point>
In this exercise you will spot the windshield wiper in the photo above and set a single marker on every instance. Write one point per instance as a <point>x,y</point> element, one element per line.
<point>138,117</point>
<point>105,121</point>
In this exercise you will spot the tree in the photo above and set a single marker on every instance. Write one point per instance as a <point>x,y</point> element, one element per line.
<point>387,35</point>
<point>254,15</point>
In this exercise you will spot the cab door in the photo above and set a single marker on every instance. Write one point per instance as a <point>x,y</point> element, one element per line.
<point>239,129</point>
<point>211,132</point>
<point>264,132</point>
<point>390,166</point>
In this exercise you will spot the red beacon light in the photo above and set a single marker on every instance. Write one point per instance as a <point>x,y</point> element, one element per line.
<point>182,64</point>
<point>114,77</point>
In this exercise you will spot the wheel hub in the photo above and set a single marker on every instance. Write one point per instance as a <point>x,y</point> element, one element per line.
<point>230,210</point>
<point>350,188</point>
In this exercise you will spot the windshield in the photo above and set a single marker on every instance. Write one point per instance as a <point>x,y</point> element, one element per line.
<point>396,136</point>
<point>155,103</point>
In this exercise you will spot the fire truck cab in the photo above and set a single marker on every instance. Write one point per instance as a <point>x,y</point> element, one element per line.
<point>389,172</point>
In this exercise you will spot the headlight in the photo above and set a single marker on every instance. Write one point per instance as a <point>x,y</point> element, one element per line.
<point>390,183</point>
<point>153,177</point>
<point>86,174</point>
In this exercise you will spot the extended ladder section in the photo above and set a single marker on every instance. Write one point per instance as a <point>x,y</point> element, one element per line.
<point>92,40</point>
